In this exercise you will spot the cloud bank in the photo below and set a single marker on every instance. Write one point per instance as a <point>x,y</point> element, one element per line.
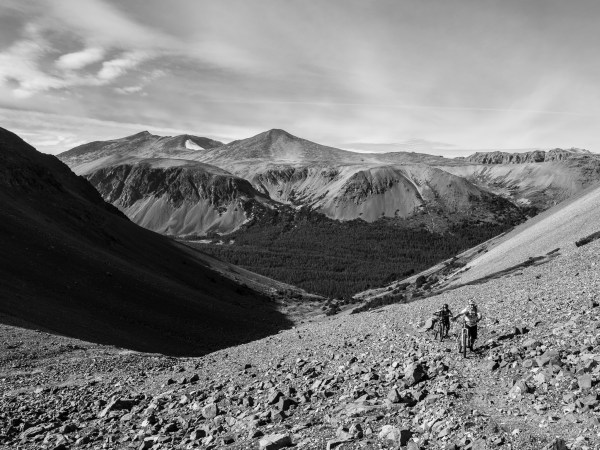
<point>480,74</point>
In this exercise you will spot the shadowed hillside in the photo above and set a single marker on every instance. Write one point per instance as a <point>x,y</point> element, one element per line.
<point>73,264</point>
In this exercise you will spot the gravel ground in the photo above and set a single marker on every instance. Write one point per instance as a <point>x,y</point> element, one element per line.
<point>360,381</point>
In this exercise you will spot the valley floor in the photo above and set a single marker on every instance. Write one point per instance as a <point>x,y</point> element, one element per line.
<point>368,380</point>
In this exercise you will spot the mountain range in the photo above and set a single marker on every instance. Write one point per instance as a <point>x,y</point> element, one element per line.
<point>188,185</point>
<point>276,196</point>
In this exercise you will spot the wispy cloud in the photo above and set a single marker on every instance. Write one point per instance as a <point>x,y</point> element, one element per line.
<point>26,68</point>
<point>102,23</point>
<point>474,74</point>
<point>129,89</point>
<point>79,60</point>
<point>117,67</point>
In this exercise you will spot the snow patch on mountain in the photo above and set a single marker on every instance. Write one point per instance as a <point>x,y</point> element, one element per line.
<point>192,145</point>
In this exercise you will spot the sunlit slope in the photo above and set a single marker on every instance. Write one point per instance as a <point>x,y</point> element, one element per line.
<point>558,228</point>
<point>92,156</point>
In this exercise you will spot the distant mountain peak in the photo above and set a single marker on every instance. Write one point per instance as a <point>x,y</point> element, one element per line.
<point>278,132</point>
<point>144,133</point>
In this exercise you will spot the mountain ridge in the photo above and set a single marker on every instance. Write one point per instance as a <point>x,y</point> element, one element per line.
<point>536,156</point>
<point>343,185</point>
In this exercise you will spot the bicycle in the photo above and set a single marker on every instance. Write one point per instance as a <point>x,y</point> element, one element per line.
<point>464,340</point>
<point>439,330</point>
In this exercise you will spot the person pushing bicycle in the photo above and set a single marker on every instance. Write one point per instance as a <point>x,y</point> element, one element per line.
<point>471,317</point>
<point>444,314</point>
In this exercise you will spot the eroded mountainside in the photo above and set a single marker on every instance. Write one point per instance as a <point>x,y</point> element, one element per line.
<point>75,265</point>
<point>154,181</point>
<point>535,180</point>
<point>289,170</point>
<point>535,156</point>
<point>179,197</point>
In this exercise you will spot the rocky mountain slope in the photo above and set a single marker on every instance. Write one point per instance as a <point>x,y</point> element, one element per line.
<point>368,380</point>
<point>533,180</point>
<point>155,183</point>
<point>549,233</point>
<point>535,156</point>
<point>289,170</point>
<point>75,265</point>
<point>355,192</point>
<point>180,197</point>
<point>345,185</point>
<point>539,240</point>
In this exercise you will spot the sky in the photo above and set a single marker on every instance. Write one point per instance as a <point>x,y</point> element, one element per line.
<point>442,75</point>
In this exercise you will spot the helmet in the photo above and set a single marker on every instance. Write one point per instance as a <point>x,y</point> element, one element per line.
<point>446,306</point>
<point>472,304</point>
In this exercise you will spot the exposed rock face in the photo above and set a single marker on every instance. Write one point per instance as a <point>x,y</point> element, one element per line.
<point>536,156</point>
<point>353,192</point>
<point>179,199</point>
<point>155,183</point>
<point>534,185</point>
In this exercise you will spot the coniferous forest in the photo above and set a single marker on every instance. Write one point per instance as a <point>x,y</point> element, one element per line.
<point>338,259</point>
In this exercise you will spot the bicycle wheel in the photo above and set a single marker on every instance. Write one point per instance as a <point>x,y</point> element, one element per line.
<point>464,341</point>
<point>442,331</point>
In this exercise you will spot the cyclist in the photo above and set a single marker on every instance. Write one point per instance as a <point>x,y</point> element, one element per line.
<point>471,317</point>
<point>444,314</point>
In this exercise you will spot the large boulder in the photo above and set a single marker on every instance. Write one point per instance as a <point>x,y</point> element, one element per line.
<point>210,411</point>
<point>414,373</point>
<point>396,435</point>
<point>585,382</point>
<point>116,404</point>
<point>275,442</point>
<point>557,444</point>
<point>394,397</point>
<point>427,326</point>
<point>520,388</point>
<point>551,357</point>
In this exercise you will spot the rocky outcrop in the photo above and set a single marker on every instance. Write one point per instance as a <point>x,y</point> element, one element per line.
<point>536,156</point>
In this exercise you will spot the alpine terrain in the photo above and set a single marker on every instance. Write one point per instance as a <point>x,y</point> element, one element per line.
<point>349,225</point>
<point>75,265</point>
<point>276,197</point>
<point>367,380</point>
